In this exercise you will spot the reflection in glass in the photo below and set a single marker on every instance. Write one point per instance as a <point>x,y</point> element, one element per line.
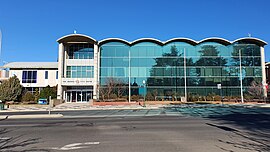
<point>208,64</point>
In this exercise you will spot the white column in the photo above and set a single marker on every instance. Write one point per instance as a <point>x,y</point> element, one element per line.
<point>60,70</point>
<point>64,95</point>
<point>263,72</point>
<point>96,71</point>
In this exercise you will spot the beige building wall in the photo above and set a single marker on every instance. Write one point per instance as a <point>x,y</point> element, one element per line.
<point>41,81</point>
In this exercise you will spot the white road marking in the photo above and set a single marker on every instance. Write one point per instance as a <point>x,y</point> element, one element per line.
<point>76,146</point>
<point>4,138</point>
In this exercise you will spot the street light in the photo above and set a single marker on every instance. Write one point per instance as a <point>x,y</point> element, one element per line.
<point>144,87</point>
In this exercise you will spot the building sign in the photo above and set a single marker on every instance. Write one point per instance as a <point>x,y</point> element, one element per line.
<point>219,86</point>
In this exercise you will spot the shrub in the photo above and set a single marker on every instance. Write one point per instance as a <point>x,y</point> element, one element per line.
<point>47,92</point>
<point>36,95</point>
<point>113,96</point>
<point>11,89</point>
<point>28,96</point>
<point>135,97</point>
<point>149,97</point>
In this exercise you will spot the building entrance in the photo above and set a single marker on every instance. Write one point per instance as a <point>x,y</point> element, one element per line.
<point>78,94</point>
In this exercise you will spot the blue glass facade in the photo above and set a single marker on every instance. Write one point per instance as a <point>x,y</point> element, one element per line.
<point>162,68</point>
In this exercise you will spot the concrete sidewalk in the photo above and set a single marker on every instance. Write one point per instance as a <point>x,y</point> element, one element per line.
<point>2,117</point>
<point>74,106</point>
<point>87,106</point>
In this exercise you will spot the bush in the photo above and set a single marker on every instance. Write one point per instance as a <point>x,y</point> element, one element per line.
<point>28,96</point>
<point>47,92</point>
<point>113,96</point>
<point>193,97</point>
<point>11,89</point>
<point>134,97</point>
<point>217,98</point>
<point>149,97</point>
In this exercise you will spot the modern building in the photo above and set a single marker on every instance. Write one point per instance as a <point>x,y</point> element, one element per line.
<point>177,67</point>
<point>180,67</point>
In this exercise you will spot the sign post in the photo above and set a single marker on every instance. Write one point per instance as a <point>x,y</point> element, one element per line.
<point>144,86</point>
<point>50,104</point>
<point>219,87</point>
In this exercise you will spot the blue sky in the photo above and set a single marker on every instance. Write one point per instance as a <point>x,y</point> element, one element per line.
<point>31,27</point>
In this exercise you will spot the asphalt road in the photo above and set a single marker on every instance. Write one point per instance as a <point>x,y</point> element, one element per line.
<point>188,110</point>
<point>133,134</point>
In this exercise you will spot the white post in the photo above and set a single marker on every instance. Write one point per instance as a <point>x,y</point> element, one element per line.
<point>185,74</point>
<point>144,87</point>
<point>129,72</point>
<point>241,79</point>
<point>264,84</point>
<point>0,46</point>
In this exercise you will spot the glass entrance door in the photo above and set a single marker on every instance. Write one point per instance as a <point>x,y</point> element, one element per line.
<point>79,96</point>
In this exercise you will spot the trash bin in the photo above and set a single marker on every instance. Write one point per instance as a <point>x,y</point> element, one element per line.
<point>2,106</point>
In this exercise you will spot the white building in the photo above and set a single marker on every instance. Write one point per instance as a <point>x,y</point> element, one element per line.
<point>77,66</point>
<point>34,75</point>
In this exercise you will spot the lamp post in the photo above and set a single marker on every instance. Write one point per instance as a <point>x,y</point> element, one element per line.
<point>241,77</point>
<point>144,87</point>
<point>0,46</point>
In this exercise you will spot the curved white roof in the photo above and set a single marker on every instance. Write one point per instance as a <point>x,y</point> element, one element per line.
<point>188,40</point>
<point>216,39</point>
<point>72,37</point>
<point>113,39</point>
<point>182,39</point>
<point>147,40</point>
<point>81,37</point>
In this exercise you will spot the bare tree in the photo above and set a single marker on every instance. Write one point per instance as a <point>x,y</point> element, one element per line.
<point>101,92</point>
<point>256,89</point>
<point>120,87</point>
<point>113,88</point>
<point>110,85</point>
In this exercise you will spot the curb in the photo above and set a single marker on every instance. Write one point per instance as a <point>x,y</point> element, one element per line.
<point>78,109</point>
<point>31,116</point>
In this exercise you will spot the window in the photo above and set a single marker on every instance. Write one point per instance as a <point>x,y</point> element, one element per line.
<point>81,51</point>
<point>80,72</point>
<point>29,77</point>
<point>56,74</point>
<point>46,74</point>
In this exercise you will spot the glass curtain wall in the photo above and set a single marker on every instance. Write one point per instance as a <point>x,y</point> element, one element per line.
<point>162,69</point>
<point>114,71</point>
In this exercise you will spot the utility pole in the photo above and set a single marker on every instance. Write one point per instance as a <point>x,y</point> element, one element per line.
<point>0,46</point>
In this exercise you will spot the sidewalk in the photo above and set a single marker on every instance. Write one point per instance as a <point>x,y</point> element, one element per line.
<point>87,106</point>
<point>32,116</point>
<point>74,106</point>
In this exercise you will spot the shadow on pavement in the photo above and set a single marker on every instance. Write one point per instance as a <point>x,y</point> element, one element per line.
<point>253,133</point>
<point>18,143</point>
